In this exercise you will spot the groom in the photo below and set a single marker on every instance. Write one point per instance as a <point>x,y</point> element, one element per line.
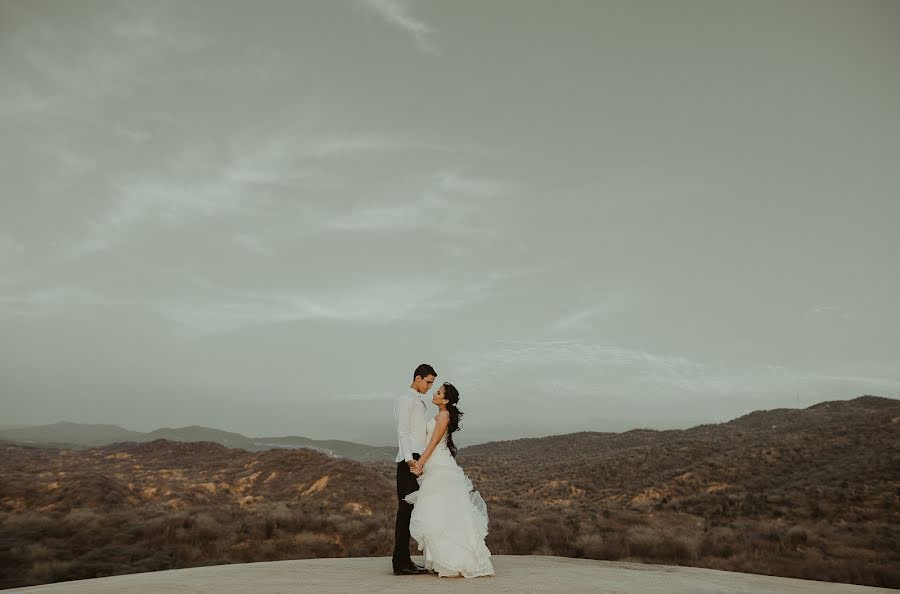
<point>411,416</point>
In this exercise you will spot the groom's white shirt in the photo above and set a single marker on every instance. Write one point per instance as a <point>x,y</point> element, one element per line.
<point>411,415</point>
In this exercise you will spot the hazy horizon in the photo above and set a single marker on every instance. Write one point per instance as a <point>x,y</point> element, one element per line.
<point>586,215</point>
<point>614,426</point>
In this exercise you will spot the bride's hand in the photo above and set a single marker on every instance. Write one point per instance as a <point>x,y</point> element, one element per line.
<point>418,467</point>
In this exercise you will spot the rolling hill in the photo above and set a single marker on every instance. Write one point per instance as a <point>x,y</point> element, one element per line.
<point>807,493</point>
<point>80,435</point>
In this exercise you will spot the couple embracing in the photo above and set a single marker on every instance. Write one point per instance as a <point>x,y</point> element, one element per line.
<point>437,504</point>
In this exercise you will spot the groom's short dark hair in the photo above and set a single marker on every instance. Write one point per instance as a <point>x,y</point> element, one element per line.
<point>424,370</point>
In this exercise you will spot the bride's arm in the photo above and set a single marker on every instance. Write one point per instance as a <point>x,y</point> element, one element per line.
<point>440,427</point>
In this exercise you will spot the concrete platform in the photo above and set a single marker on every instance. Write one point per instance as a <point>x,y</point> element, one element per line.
<point>514,574</point>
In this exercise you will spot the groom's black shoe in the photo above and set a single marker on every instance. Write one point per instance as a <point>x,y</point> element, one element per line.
<point>411,569</point>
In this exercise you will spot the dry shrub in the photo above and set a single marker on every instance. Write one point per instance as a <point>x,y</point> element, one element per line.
<point>650,543</point>
<point>83,518</point>
<point>206,527</point>
<point>29,526</point>
<point>718,542</point>
<point>678,549</point>
<point>309,545</point>
<point>642,541</point>
<point>38,552</point>
<point>797,535</point>
<point>544,550</point>
<point>280,515</point>
<point>596,546</point>
<point>525,538</point>
<point>43,572</point>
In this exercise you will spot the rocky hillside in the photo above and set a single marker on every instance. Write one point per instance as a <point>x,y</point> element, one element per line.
<point>71,514</point>
<point>809,493</point>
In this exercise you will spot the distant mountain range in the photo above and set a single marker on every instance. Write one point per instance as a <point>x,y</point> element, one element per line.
<point>82,435</point>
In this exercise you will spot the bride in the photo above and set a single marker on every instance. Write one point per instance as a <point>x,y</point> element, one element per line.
<point>449,518</point>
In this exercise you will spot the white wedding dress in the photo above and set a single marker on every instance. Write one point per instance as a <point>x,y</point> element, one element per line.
<point>449,518</point>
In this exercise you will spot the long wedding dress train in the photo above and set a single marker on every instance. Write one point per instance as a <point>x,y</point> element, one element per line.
<point>449,518</point>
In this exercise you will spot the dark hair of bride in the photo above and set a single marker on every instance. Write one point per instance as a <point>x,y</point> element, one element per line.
<point>452,394</point>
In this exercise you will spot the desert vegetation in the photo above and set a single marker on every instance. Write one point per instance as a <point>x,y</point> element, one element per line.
<point>809,493</point>
<point>144,507</point>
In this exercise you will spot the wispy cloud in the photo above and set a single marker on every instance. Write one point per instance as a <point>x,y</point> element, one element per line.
<point>198,183</point>
<point>892,383</point>
<point>296,172</point>
<point>397,14</point>
<point>208,307</point>
<point>454,182</point>
<point>126,37</point>
<point>131,135</point>
<point>393,218</point>
<point>296,157</point>
<point>49,301</point>
<point>828,310</point>
<point>142,23</point>
<point>588,362</point>
<point>9,246</point>
<point>583,318</point>
<point>223,309</point>
<point>310,156</point>
<point>343,145</point>
<point>669,369</point>
<point>572,367</point>
<point>168,203</point>
<point>579,318</point>
<point>252,243</point>
<point>451,198</point>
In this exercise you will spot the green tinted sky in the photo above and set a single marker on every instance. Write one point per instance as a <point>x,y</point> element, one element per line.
<point>588,215</point>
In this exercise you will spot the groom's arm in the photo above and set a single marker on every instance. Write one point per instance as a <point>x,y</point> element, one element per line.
<point>404,433</point>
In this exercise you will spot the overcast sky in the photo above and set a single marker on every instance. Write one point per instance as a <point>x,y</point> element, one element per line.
<point>587,215</point>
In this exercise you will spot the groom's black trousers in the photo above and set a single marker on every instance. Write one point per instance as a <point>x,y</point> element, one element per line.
<point>406,484</point>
